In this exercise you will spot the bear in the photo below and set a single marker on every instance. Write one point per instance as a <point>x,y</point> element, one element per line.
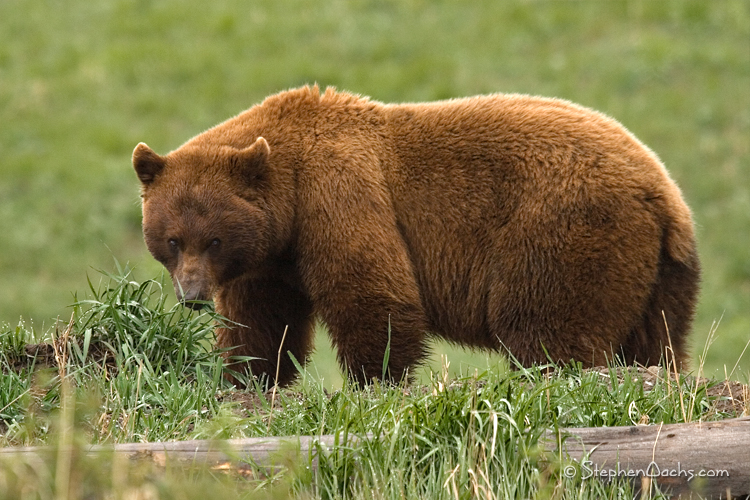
<point>528,225</point>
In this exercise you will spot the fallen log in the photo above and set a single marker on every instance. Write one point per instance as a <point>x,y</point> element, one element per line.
<point>265,454</point>
<point>711,459</point>
<point>708,458</point>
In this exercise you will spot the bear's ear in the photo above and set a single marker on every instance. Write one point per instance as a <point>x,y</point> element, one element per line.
<point>252,160</point>
<point>147,164</point>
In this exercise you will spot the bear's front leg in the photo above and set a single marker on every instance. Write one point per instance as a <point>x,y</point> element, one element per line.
<point>260,312</point>
<point>355,266</point>
<point>376,335</point>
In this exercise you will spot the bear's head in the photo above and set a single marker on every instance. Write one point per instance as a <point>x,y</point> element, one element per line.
<point>205,216</point>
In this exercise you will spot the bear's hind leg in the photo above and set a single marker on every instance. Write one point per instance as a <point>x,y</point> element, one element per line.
<point>671,305</point>
<point>261,312</point>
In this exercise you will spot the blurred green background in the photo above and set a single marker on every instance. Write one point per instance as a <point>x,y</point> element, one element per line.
<point>82,82</point>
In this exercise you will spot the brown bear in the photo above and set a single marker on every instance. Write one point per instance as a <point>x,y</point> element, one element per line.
<point>503,222</point>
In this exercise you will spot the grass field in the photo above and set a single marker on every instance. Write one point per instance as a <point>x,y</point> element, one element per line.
<point>81,83</point>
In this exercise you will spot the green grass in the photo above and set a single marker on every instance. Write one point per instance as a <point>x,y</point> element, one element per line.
<point>81,83</point>
<point>131,367</point>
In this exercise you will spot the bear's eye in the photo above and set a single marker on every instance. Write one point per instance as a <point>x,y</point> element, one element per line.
<point>173,244</point>
<point>214,246</point>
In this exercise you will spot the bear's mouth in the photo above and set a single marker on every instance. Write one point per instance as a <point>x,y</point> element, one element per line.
<point>191,297</point>
<point>195,305</point>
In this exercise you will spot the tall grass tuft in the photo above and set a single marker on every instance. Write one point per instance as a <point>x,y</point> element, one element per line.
<point>134,323</point>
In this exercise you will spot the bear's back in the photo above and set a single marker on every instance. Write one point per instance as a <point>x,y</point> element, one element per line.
<point>500,152</point>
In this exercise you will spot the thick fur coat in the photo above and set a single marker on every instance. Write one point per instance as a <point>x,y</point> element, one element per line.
<point>501,222</point>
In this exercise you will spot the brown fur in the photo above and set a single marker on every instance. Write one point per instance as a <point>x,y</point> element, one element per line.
<point>504,221</point>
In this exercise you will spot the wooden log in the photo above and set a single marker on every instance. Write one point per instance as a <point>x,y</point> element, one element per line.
<point>265,454</point>
<point>708,458</point>
<point>711,459</point>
